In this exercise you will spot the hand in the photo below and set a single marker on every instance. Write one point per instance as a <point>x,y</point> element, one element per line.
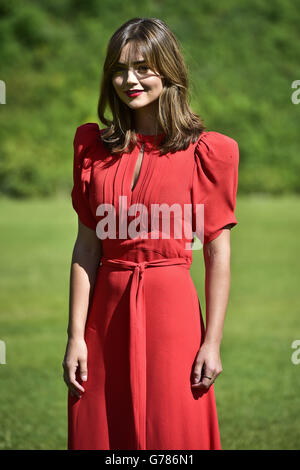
<point>76,352</point>
<point>207,363</point>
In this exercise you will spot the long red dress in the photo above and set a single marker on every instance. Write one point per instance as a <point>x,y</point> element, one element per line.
<point>144,324</point>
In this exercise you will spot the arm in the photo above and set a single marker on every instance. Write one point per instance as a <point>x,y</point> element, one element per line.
<point>86,256</point>
<point>85,261</point>
<point>217,285</point>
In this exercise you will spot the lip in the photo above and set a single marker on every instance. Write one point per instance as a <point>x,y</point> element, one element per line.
<point>134,92</point>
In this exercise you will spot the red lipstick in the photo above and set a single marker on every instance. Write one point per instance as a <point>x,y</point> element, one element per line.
<point>134,93</point>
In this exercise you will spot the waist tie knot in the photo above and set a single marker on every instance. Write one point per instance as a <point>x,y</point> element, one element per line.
<point>140,268</point>
<point>137,335</point>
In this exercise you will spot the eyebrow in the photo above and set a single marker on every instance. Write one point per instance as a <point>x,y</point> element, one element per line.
<point>135,63</point>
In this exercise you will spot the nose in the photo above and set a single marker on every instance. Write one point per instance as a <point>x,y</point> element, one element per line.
<point>131,77</point>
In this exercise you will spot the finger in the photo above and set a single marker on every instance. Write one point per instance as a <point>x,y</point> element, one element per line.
<point>83,369</point>
<point>207,378</point>
<point>72,378</point>
<point>65,379</point>
<point>77,385</point>
<point>72,388</point>
<point>74,391</point>
<point>196,376</point>
<point>205,383</point>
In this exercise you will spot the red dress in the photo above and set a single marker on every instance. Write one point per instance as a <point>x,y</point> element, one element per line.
<point>144,324</point>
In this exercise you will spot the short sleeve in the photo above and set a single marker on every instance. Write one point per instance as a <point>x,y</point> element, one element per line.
<point>215,181</point>
<point>84,140</point>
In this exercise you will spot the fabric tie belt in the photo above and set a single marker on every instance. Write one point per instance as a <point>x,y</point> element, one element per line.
<point>137,338</point>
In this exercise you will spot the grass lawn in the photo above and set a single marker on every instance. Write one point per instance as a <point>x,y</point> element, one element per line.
<point>258,391</point>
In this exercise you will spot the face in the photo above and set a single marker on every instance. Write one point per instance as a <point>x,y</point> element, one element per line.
<point>139,78</point>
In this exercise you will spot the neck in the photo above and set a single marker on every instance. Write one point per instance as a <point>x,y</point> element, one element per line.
<point>146,121</point>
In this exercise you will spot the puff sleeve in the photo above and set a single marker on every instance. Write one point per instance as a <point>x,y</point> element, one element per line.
<point>84,140</point>
<point>215,181</point>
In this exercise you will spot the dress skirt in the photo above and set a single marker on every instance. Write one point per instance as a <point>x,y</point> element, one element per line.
<point>142,336</point>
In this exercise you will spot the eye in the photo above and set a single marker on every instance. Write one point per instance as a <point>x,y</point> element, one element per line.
<point>117,69</point>
<point>140,68</point>
<point>144,67</point>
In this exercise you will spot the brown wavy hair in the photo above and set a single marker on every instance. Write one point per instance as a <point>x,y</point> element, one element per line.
<point>153,39</point>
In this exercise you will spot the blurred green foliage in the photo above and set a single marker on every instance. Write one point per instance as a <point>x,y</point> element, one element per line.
<point>241,56</point>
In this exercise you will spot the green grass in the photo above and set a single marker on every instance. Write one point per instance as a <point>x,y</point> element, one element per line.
<point>258,391</point>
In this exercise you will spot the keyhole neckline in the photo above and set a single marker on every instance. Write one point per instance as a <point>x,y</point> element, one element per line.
<point>141,167</point>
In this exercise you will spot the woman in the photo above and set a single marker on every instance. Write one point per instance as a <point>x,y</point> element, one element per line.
<point>139,364</point>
